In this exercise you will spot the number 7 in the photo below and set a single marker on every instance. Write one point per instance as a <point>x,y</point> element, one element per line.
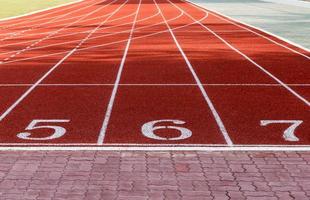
<point>288,134</point>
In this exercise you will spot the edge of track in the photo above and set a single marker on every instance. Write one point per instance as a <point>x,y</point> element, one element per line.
<point>41,10</point>
<point>142,147</point>
<point>251,26</point>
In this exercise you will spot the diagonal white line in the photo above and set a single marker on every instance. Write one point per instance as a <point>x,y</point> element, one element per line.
<point>107,44</point>
<point>35,42</point>
<point>199,84</point>
<point>246,57</point>
<point>256,33</point>
<point>103,130</point>
<point>55,66</point>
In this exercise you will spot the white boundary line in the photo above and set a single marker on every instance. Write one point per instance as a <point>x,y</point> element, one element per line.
<point>248,58</point>
<point>152,84</point>
<point>154,148</point>
<point>147,145</point>
<point>116,84</point>
<point>199,84</point>
<point>38,11</point>
<point>24,95</point>
<point>254,27</point>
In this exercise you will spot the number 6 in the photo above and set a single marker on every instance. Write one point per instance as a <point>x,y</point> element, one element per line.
<point>149,128</point>
<point>58,130</point>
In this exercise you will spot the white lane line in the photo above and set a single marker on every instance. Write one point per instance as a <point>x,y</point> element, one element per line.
<point>67,34</point>
<point>91,38</point>
<point>157,84</point>
<point>243,26</point>
<point>199,84</point>
<point>35,42</point>
<point>116,84</point>
<point>79,32</point>
<point>56,65</point>
<point>177,147</point>
<point>38,26</point>
<point>106,44</point>
<point>248,58</point>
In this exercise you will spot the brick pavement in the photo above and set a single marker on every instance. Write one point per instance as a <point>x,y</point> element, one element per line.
<point>92,175</point>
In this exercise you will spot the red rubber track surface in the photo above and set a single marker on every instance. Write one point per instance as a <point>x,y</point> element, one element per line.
<point>144,72</point>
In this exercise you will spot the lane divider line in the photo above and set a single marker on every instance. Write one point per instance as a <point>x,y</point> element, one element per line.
<point>9,110</point>
<point>199,84</point>
<point>91,38</point>
<point>246,57</point>
<point>243,26</point>
<point>106,120</point>
<point>35,42</point>
<point>108,44</point>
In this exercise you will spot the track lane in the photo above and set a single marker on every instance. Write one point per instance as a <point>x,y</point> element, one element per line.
<point>248,28</point>
<point>83,104</point>
<point>260,67</point>
<point>97,45</point>
<point>285,64</point>
<point>65,35</point>
<point>44,40</point>
<point>98,65</point>
<point>135,106</point>
<point>32,70</point>
<point>243,108</point>
<point>155,91</point>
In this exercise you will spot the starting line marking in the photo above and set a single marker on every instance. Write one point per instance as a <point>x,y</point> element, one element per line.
<point>155,84</point>
<point>156,148</point>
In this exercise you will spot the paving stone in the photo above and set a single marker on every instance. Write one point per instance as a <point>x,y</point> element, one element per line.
<point>154,175</point>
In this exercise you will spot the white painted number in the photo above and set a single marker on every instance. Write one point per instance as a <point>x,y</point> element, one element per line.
<point>149,128</point>
<point>58,130</point>
<point>289,133</point>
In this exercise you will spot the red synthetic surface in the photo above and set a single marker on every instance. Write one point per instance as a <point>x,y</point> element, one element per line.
<point>111,66</point>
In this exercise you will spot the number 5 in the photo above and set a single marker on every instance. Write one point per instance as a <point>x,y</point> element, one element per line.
<point>288,134</point>
<point>58,130</point>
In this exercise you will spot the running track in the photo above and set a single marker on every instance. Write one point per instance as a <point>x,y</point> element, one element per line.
<point>144,73</point>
